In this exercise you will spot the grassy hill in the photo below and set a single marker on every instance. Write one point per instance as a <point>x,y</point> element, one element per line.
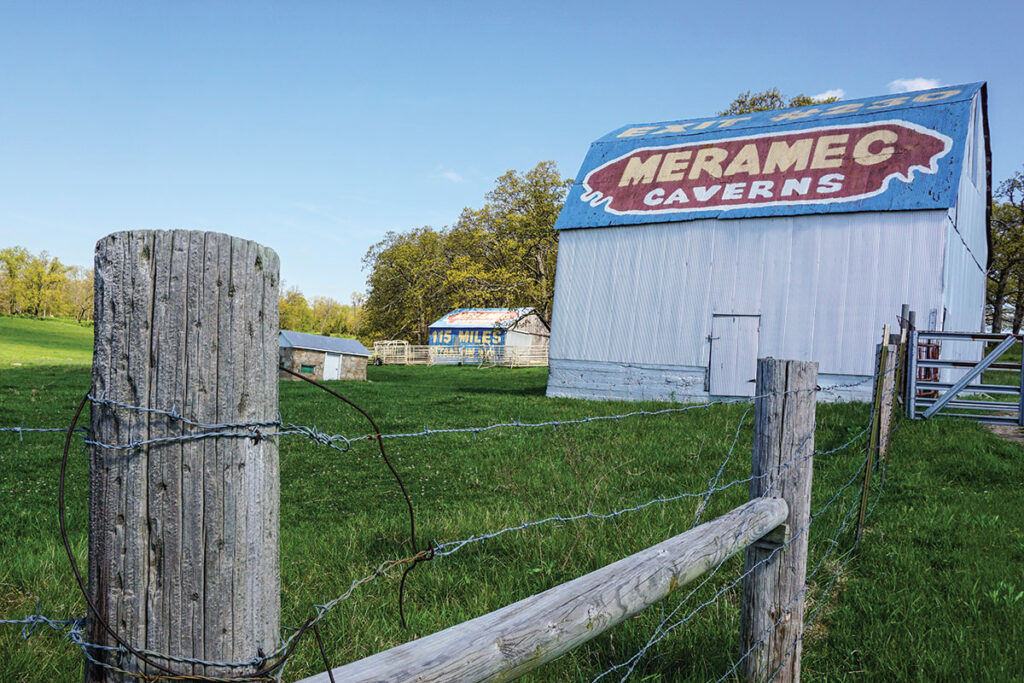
<point>52,341</point>
<point>933,592</point>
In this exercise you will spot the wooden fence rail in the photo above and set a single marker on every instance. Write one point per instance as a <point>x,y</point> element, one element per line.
<point>517,639</point>
<point>520,637</point>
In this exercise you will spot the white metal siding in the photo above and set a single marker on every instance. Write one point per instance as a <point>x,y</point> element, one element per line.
<point>513,338</point>
<point>966,240</point>
<point>823,285</point>
<point>963,273</point>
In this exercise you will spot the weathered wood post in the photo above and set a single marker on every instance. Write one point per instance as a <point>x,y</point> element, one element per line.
<point>183,534</point>
<point>889,364</point>
<point>879,438</point>
<point>773,590</point>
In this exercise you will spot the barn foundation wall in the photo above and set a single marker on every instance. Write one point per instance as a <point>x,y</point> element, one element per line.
<point>610,381</point>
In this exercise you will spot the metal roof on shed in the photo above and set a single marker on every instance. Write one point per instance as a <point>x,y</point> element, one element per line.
<point>482,318</point>
<point>316,342</point>
<point>894,152</point>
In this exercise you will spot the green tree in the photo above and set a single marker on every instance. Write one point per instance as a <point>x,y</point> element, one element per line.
<point>42,284</point>
<point>13,261</point>
<point>78,293</point>
<point>500,255</point>
<point>511,242</point>
<point>294,311</point>
<point>1006,272</point>
<point>765,100</point>
<point>407,284</point>
<point>356,323</point>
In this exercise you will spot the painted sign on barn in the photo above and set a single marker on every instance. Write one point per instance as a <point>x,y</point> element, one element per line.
<point>901,152</point>
<point>474,335</point>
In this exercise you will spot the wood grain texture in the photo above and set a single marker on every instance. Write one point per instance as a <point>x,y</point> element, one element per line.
<point>889,388</point>
<point>516,639</point>
<point>782,466</point>
<point>183,538</point>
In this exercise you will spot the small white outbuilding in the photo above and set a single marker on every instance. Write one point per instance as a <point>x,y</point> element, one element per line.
<point>688,249</point>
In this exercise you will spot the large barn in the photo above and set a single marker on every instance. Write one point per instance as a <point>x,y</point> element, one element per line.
<point>688,249</point>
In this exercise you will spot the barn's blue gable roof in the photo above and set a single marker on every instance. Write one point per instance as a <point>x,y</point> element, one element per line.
<point>316,342</point>
<point>893,152</point>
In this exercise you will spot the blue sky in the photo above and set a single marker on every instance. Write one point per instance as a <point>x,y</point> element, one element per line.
<point>315,127</point>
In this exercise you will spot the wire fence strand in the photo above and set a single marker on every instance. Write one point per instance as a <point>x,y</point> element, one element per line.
<point>73,629</point>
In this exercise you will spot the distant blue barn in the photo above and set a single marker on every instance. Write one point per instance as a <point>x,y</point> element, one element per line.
<point>688,249</point>
<point>476,335</point>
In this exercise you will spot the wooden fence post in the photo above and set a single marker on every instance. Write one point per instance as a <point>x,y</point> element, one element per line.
<point>876,437</point>
<point>889,363</point>
<point>183,535</point>
<point>773,589</point>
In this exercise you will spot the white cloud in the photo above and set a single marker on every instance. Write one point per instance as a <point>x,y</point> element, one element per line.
<point>448,174</point>
<point>911,84</point>
<point>837,93</point>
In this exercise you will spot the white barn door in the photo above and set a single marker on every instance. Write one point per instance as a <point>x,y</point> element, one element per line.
<point>733,366</point>
<point>332,366</point>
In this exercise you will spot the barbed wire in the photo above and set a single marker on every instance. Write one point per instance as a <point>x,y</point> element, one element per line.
<point>661,631</point>
<point>833,543</point>
<point>449,548</point>
<point>847,556</point>
<point>220,430</point>
<point>74,628</point>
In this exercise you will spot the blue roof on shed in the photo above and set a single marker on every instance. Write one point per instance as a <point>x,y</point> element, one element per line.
<point>892,152</point>
<point>316,342</point>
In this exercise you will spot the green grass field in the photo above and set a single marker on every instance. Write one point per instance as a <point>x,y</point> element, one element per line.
<point>31,342</point>
<point>932,593</point>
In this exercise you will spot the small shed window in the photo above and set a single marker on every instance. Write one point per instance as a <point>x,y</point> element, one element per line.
<point>308,369</point>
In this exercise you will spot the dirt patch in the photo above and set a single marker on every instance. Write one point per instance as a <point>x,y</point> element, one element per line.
<point>1011,433</point>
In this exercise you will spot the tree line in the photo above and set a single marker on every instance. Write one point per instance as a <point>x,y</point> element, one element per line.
<point>501,255</point>
<point>40,285</point>
<point>323,315</point>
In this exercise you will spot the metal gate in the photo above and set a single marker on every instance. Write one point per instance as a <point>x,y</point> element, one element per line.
<point>942,379</point>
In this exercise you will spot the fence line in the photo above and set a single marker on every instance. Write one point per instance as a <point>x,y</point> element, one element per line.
<point>74,628</point>
<point>442,550</point>
<point>313,433</point>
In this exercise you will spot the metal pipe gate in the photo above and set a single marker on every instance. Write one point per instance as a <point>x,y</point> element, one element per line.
<point>957,388</point>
